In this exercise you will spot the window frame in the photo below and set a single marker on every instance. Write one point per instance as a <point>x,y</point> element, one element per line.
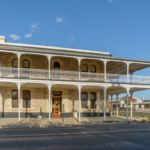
<point>13,98</point>
<point>54,65</point>
<point>82,68</point>
<point>84,100</point>
<point>23,62</point>
<point>13,61</point>
<point>93,71</point>
<point>93,100</point>
<point>26,99</point>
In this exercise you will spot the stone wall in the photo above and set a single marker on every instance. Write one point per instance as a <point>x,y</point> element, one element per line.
<point>36,61</point>
<point>41,62</point>
<point>69,64</point>
<point>38,100</point>
<point>74,105</point>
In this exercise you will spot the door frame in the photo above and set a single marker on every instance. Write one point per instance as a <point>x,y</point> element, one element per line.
<point>59,105</point>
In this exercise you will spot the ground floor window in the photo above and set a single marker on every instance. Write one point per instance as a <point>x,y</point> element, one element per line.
<point>26,99</point>
<point>14,98</point>
<point>93,99</point>
<point>84,100</point>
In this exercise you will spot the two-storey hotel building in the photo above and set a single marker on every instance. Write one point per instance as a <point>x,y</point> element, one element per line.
<point>38,80</point>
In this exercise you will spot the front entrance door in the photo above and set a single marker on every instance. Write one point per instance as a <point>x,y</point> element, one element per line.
<point>56,105</point>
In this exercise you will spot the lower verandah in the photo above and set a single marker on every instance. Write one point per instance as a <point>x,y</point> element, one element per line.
<point>34,102</point>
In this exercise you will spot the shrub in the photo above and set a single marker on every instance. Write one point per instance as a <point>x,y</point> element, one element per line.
<point>117,121</point>
<point>111,121</point>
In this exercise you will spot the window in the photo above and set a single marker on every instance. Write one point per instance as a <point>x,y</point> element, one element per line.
<point>84,68</point>
<point>84,100</point>
<point>15,98</point>
<point>93,99</point>
<point>93,69</point>
<point>56,65</point>
<point>15,63</point>
<point>15,66</point>
<point>26,99</point>
<point>25,64</point>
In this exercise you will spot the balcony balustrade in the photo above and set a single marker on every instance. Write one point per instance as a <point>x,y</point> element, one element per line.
<point>9,72</point>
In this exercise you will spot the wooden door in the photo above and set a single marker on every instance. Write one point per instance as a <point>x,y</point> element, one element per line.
<point>56,105</point>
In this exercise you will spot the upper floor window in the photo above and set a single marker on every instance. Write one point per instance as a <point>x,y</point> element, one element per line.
<point>93,99</point>
<point>84,68</point>
<point>93,69</point>
<point>56,65</point>
<point>84,100</point>
<point>25,64</point>
<point>26,99</point>
<point>14,98</point>
<point>15,63</point>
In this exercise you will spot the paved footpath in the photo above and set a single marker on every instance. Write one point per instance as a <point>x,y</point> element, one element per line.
<point>89,137</point>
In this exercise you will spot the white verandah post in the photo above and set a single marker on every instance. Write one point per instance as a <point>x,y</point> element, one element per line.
<point>19,101</point>
<point>117,103</point>
<point>128,71</point>
<point>127,101</point>
<point>111,105</point>
<point>131,105</point>
<point>79,68</point>
<point>49,98</point>
<point>105,90</point>
<point>79,89</point>
<point>18,65</point>
<point>49,62</point>
<point>105,65</point>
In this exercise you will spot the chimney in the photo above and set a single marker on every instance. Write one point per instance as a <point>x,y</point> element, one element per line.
<point>2,39</point>
<point>142,98</point>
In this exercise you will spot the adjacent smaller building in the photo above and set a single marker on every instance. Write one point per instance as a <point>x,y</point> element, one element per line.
<point>144,105</point>
<point>122,103</point>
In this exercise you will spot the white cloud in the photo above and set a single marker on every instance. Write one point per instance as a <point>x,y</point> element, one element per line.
<point>28,35</point>
<point>32,30</point>
<point>34,25</point>
<point>59,19</point>
<point>110,0</point>
<point>14,37</point>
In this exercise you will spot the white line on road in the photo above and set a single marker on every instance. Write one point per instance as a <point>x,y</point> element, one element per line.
<point>77,133</point>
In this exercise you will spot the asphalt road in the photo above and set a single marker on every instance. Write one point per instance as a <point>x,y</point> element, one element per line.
<point>108,136</point>
<point>135,113</point>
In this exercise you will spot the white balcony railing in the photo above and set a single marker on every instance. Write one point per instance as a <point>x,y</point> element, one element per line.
<point>118,78</point>
<point>34,73</point>
<point>64,75</point>
<point>88,76</point>
<point>139,79</point>
<point>8,72</point>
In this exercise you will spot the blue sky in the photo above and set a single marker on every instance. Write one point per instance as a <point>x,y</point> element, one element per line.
<point>121,27</point>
